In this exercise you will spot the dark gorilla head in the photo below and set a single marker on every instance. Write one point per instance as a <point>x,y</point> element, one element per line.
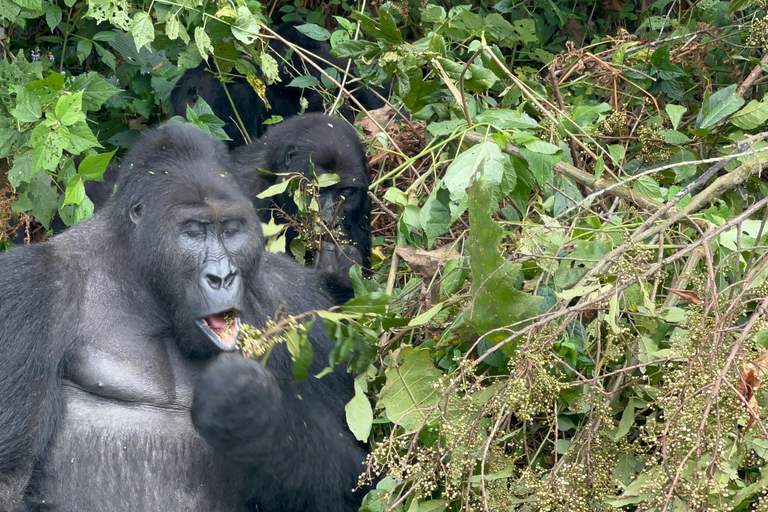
<point>332,146</point>
<point>189,232</point>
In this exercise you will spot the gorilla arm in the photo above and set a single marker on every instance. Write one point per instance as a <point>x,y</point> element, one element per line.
<point>33,322</point>
<point>291,439</point>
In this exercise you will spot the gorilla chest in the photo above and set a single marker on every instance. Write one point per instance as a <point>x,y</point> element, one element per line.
<point>126,441</point>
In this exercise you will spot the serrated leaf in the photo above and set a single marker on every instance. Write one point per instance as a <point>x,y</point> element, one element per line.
<point>675,113</point>
<point>674,137</point>
<point>47,155</point>
<point>751,116</point>
<point>52,15</point>
<point>313,31</point>
<point>107,56</point>
<point>720,105</point>
<point>203,42</point>
<point>359,414</point>
<point>22,170</point>
<point>84,49</point>
<point>304,82</point>
<point>69,108</point>
<point>75,191</point>
<point>245,28</point>
<point>81,138</point>
<point>142,29</point>
<point>172,27</point>
<point>507,119</point>
<point>352,49</point>
<point>28,108</point>
<point>648,186</point>
<point>410,388</point>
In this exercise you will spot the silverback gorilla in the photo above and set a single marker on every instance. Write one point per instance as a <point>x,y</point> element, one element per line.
<point>332,146</point>
<point>119,388</point>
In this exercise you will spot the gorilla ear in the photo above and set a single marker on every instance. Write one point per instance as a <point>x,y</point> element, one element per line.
<point>290,154</point>
<point>135,213</point>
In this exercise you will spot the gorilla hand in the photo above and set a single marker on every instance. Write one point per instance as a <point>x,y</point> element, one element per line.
<point>234,399</point>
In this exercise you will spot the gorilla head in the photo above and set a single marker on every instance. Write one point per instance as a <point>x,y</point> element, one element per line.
<point>212,242</point>
<point>332,146</point>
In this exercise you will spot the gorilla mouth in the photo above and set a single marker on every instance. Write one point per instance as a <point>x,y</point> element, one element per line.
<point>222,329</point>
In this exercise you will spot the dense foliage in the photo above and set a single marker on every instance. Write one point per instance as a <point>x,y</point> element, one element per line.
<point>567,309</point>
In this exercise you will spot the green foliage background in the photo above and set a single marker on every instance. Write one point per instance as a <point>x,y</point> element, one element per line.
<point>570,262</point>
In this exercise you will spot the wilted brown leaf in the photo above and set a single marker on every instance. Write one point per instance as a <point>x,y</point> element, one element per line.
<point>428,263</point>
<point>689,295</point>
<point>749,383</point>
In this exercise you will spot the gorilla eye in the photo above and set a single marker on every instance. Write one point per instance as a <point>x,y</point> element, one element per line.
<point>347,191</point>
<point>230,228</point>
<point>193,230</point>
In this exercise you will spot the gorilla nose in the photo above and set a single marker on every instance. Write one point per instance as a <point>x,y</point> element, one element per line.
<point>216,282</point>
<point>221,277</point>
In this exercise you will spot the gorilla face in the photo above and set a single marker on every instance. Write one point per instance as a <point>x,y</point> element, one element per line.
<point>194,237</point>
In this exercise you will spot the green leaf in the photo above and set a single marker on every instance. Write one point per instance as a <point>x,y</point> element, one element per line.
<point>304,82</point>
<point>751,116</point>
<point>93,167</point>
<point>627,421</point>
<point>143,29</point>
<point>28,108</point>
<point>328,180</point>
<point>274,190</point>
<point>52,15</point>
<point>313,31</point>
<point>245,28</point>
<point>202,42</point>
<point>48,153</point>
<point>81,138</point>
<point>410,388</point>
<point>507,119</point>
<point>352,49</point>
<point>429,505</point>
<point>75,191</point>
<point>359,414</point>
<point>541,165</point>
<point>84,49</point>
<point>69,108</point>
<point>373,302</point>
<point>107,56</point>
<point>172,28</point>
<point>674,137</point>
<point>648,186</point>
<point>301,352</point>
<point>425,317</point>
<point>675,113</point>
<point>22,169</point>
<point>718,106</point>
<point>497,302</point>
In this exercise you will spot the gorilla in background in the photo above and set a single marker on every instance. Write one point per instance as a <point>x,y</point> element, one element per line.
<point>119,388</point>
<point>333,146</point>
<point>284,100</point>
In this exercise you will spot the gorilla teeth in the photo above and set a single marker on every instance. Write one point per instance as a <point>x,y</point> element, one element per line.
<point>222,329</point>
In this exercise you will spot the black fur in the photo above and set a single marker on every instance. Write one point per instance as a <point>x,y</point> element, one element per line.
<point>111,396</point>
<point>333,146</point>
<point>283,100</point>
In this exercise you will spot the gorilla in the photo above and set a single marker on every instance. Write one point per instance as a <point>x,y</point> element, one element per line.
<point>332,146</point>
<point>119,386</point>
<point>283,100</point>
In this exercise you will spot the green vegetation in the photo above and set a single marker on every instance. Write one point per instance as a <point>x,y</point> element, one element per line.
<point>568,304</point>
